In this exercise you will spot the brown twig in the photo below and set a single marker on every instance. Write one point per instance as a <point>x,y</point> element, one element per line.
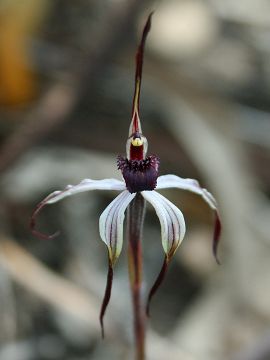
<point>52,288</point>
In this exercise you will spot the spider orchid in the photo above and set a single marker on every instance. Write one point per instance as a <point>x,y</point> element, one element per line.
<point>140,175</point>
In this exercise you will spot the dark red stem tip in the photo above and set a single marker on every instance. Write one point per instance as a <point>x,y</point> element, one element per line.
<point>106,297</point>
<point>140,51</point>
<point>32,224</point>
<point>216,236</point>
<point>139,66</point>
<point>157,283</point>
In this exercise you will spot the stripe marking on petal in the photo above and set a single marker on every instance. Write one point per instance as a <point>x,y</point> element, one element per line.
<point>87,185</point>
<point>111,224</point>
<point>171,220</point>
<point>173,181</point>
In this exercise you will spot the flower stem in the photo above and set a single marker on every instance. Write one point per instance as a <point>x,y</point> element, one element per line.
<point>135,218</point>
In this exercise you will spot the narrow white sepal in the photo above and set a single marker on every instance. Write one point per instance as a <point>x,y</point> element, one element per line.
<point>86,185</point>
<point>173,181</point>
<point>111,223</point>
<point>171,219</point>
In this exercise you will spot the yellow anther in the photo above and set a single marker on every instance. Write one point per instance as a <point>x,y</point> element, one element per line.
<point>137,142</point>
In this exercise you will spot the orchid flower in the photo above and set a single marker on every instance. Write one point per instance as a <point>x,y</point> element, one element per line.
<point>140,175</point>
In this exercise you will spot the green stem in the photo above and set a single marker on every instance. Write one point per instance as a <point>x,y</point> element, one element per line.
<point>135,218</point>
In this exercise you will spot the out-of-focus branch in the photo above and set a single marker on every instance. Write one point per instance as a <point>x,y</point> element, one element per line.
<point>50,287</point>
<point>259,350</point>
<point>50,112</point>
<point>61,99</point>
<point>67,297</point>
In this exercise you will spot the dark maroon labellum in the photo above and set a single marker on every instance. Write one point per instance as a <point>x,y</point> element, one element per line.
<point>139,175</point>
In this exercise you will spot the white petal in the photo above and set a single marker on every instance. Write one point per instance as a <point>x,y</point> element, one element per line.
<point>171,220</point>
<point>111,223</point>
<point>85,185</point>
<point>173,181</point>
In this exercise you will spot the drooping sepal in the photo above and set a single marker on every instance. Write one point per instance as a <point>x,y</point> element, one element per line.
<point>37,210</point>
<point>171,219</point>
<point>111,224</point>
<point>84,185</point>
<point>216,236</point>
<point>172,233</point>
<point>157,283</point>
<point>139,175</point>
<point>173,181</point>
<point>107,296</point>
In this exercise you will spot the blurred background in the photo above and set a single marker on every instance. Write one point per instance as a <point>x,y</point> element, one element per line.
<point>66,86</point>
